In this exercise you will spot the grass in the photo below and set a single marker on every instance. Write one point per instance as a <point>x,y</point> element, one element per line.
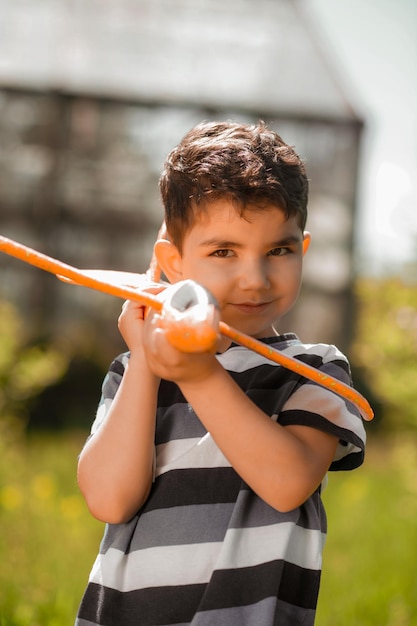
<point>370,574</point>
<point>48,540</point>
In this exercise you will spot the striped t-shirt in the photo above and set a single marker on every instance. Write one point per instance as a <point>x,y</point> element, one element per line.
<point>205,550</point>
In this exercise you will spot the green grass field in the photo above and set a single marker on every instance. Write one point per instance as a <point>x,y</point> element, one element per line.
<point>370,570</point>
<point>48,540</point>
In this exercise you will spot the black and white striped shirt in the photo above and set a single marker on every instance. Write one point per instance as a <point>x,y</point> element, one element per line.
<point>205,550</point>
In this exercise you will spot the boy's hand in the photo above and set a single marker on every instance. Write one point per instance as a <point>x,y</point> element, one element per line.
<point>188,325</point>
<point>170,363</point>
<point>131,321</point>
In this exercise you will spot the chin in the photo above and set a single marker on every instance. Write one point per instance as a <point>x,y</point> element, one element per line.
<point>254,331</point>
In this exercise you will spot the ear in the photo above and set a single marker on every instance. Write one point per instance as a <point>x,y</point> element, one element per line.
<point>306,241</point>
<point>169,260</point>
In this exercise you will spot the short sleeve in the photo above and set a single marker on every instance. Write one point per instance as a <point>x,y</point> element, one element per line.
<point>109,388</point>
<point>318,407</point>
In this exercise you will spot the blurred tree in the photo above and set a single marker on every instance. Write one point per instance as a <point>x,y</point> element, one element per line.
<point>71,401</point>
<point>47,385</point>
<point>25,368</point>
<point>385,348</point>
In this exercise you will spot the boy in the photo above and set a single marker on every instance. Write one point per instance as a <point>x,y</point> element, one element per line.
<point>208,467</point>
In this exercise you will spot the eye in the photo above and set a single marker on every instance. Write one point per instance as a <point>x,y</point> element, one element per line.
<point>279,251</point>
<point>222,254</point>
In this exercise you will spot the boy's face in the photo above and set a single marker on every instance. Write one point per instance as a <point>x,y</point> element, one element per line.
<point>251,264</point>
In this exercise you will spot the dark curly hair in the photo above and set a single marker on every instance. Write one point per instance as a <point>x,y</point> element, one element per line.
<point>248,164</point>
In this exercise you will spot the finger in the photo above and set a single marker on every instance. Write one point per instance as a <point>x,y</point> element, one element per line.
<point>133,310</point>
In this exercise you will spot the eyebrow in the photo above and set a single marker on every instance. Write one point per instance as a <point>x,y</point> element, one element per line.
<point>223,243</point>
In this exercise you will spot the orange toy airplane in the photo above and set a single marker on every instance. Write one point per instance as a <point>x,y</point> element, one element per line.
<point>189,313</point>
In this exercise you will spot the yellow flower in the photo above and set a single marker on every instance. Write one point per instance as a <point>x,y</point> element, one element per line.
<point>71,507</point>
<point>11,497</point>
<point>43,486</point>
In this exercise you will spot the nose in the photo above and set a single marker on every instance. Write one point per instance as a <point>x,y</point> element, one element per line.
<point>254,275</point>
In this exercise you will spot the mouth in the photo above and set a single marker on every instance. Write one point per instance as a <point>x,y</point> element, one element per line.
<point>251,307</point>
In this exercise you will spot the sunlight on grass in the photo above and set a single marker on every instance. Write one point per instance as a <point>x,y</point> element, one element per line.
<point>369,575</point>
<point>48,540</point>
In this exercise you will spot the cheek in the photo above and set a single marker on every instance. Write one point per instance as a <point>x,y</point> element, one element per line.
<point>214,279</point>
<point>288,277</point>
<point>296,279</point>
<point>206,275</point>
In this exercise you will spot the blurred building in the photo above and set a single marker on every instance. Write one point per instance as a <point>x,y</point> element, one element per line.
<point>94,94</point>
